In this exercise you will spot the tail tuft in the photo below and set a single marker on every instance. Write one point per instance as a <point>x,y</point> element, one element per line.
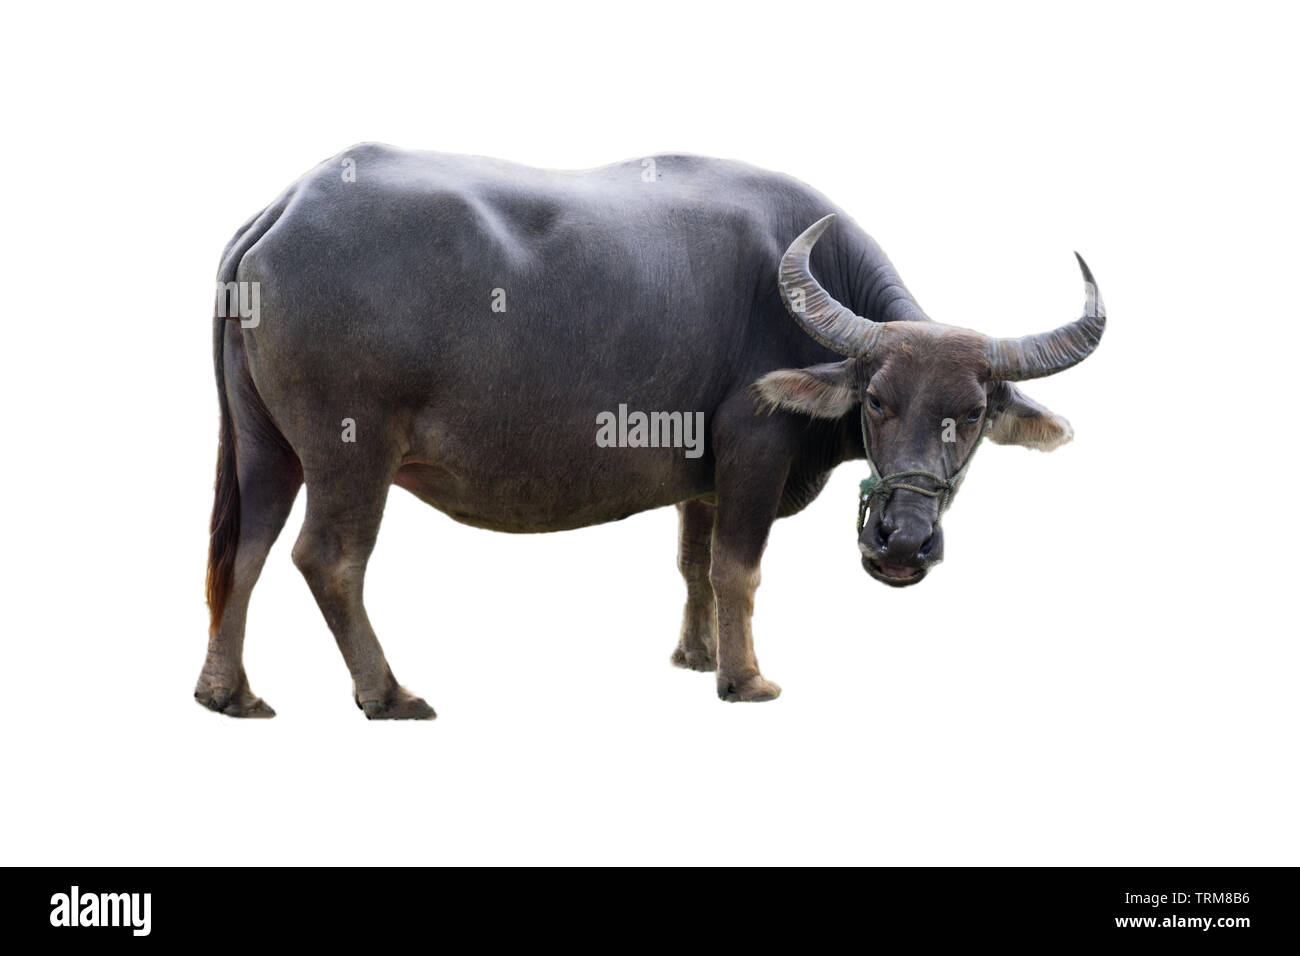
<point>223,530</point>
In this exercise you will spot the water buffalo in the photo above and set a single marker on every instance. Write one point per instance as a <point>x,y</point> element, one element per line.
<point>468,329</point>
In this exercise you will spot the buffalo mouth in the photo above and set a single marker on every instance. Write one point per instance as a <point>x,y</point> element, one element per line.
<point>895,575</point>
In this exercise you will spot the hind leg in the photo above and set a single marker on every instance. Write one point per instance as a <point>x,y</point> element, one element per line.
<point>269,479</point>
<point>345,503</point>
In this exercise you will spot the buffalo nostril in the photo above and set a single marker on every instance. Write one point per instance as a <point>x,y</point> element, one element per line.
<point>924,551</point>
<point>882,537</point>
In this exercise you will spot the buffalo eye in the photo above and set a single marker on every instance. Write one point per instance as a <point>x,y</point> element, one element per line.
<point>875,404</point>
<point>974,414</point>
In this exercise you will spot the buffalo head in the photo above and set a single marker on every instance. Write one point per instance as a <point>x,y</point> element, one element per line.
<point>926,394</point>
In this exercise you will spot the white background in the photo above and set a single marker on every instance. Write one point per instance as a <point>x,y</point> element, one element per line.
<point>1102,672</point>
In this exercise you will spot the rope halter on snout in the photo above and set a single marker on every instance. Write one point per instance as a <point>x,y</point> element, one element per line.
<point>881,489</point>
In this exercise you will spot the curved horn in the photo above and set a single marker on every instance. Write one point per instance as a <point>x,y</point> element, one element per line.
<point>1034,356</point>
<point>830,323</point>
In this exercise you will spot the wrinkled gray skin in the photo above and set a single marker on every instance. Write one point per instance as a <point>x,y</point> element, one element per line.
<point>376,306</point>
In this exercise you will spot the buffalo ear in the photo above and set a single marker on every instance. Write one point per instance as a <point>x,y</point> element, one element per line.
<point>1019,420</point>
<point>822,391</point>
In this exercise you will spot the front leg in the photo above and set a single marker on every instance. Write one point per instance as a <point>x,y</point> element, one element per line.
<point>697,649</point>
<point>751,475</point>
<point>734,582</point>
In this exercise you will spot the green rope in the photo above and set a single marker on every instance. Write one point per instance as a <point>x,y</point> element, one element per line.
<point>875,486</point>
<point>878,487</point>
